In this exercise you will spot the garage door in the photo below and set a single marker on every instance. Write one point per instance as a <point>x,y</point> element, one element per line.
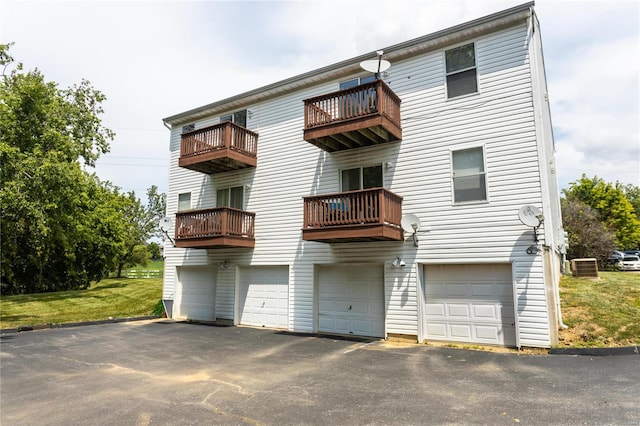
<point>469,303</point>
<point>351,299</point>
<point>264,296</point>
<point>195,294</point>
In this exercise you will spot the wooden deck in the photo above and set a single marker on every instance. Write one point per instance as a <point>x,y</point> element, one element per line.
<point>215,228</point>
<point>219,148</point>
<point>367,215</point>
<point>366,115</point>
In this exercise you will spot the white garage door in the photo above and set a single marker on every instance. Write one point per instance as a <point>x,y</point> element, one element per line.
<point>469,303</point>
<point>351,299</point>
<point>195,294</point>
<point>264,296</point>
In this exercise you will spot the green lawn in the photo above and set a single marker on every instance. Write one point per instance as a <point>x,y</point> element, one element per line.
<point>603,312</point>
<point>110,298</point>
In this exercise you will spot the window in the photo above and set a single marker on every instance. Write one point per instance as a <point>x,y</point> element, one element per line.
<point>461,71</point>
<point>362,178</point>
<point>469,181</point>
<point>239,118</point>
<point>230,197</point>
<point>356,82</point>
<point>184,201</point>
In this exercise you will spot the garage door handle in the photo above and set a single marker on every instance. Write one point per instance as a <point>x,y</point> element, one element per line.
<point>349,308</point>
<point>263,304</point>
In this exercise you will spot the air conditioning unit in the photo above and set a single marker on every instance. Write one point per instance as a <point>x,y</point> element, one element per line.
<point>585,268</point>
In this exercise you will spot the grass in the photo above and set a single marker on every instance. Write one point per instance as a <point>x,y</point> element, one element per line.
<point>601,313</point>
<point>109,298</point>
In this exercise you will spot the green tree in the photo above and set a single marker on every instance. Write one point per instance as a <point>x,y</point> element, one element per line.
<point>613,207</point>
<point>57,228</point>
<point>141,223</point>
<point>154,251</point>
<point>632,193</point>
<point>588,237</point>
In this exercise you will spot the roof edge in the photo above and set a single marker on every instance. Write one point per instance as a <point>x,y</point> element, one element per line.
<point>349,65</point>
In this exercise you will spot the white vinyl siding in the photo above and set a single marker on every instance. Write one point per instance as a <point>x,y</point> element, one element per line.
<point>500,118</point>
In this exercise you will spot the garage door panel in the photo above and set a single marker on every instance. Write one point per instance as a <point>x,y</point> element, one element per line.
<point>458,311</point>
<point>469,303</point>
<point>487,311</point>
<point>437,330</point>
<point>461,331</point>
<point>197,290</point>
<point>351,299</point>
<point>487,333</point>
<point>264,296</point>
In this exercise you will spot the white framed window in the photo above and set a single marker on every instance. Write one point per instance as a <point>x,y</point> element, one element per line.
<point>230,197</point>
<point>361,178</point>
<point>184,201</point>
<point>238,117</point>
<point>461,70</point>
<point>469,177</point>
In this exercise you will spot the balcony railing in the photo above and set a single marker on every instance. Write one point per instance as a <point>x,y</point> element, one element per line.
<point>365,115</point>
<point>215,228</point>
<point>219,148</point>
<point>367,215</point>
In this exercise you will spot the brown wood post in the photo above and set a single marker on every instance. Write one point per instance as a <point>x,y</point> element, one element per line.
<point>227,135</point>
<point>223,221</point>
<point>381,206</point>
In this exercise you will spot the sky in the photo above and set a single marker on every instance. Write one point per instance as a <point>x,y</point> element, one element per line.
<point>155,59</point>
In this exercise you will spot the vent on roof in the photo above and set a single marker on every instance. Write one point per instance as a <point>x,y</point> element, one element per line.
<point>585,268</point>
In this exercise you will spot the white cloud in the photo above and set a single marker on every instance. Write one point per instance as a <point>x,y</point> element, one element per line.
<point>155,59</point>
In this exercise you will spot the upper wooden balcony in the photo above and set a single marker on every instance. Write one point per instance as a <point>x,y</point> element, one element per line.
<point>367,215</point>
<point>219,148</point>
<point>215,228</point>
<point>365,115</point>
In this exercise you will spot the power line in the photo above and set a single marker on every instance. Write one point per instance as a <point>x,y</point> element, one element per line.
<point>133,165</point>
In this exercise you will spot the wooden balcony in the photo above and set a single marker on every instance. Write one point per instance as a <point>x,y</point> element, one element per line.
<point>368,215</point>
<point>365,115</point>
<point>217,149</point>
<point>215,228</point>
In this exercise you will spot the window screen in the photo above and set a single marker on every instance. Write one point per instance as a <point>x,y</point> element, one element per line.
<point>461,71</point>
<point>230,197</point>
<point>184,201</point>
<point>469,180</point>
<point>362,178</point>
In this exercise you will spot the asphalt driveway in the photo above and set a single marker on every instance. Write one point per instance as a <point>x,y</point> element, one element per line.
<point>161,372</point>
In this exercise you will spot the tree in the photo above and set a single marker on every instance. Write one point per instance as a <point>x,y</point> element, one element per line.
<point>613,207</point>
<point>632,193</point>
<point>141,223</point>
<point>588,237</point>
<point>58,229</point>
<point>154,251</point>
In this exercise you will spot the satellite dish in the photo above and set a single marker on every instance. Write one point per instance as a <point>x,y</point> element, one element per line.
<point>165,223</point>
<point>410,223</point>
<point>375,65</point>
<point>530,216</point>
